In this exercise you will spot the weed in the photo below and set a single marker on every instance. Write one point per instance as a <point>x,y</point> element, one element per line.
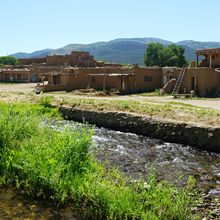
<point>46,101</point>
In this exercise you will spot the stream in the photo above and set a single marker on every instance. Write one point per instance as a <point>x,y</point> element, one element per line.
<point>136,156</point>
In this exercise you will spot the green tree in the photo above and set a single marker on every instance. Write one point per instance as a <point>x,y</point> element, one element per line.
<point>8,60</point>
<point>175,55</point>
<point>154,55</point>
<point>158,55</point>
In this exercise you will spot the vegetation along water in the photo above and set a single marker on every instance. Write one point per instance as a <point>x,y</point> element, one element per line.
<point>58,165</point>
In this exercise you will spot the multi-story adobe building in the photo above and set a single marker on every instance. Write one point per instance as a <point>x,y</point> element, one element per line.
<point>203,78</point>
<point>211,57</point>
<point>75,59</point>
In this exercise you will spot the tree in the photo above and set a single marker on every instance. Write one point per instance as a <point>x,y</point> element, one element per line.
<point>8,60</point>
<point>158,55</point>
<point>154,55</point>
<point>175,56</point>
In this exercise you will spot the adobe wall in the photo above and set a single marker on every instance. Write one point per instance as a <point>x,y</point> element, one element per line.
<point>44,70</point>
<point>16,76</point>
<point>216,61</point>
<point>80,59</point>
<point>29,61</point>
<point>79,79</point>
<point>144,79</point>
<point>207,80</point>
<point>147,79</point>
<point>55,60</point>
<point>50,88</point>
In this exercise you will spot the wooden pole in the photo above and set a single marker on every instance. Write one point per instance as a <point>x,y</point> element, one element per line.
<point>88,82</point>
<point>104,82</point>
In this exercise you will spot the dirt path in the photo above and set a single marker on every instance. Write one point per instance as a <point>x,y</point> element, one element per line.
<point>206,103</point>
<point>14,90</point>
<point>17,87</point>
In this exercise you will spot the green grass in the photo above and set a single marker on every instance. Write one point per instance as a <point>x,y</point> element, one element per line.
<point>58,165</point>
<point>175,111</point>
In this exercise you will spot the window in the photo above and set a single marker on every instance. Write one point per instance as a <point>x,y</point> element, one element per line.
<point>148,78</point>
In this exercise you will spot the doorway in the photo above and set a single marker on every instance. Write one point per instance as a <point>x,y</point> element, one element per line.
<point>193,83</point>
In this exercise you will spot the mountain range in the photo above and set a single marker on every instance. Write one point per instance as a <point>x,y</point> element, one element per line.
<point>122,50</point>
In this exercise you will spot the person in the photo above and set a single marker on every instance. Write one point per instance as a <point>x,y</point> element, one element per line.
<point>37,87</point>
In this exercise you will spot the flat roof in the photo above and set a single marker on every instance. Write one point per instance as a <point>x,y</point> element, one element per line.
<point>208,51</point>
<point>15,70</point>
<point>111,74</point>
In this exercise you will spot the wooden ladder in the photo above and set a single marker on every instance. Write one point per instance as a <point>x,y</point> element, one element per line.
<point>179,81</point>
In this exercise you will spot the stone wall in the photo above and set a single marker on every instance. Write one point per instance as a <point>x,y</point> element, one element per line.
<point>207,138</point>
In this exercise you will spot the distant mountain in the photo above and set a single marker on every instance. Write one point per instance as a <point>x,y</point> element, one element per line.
<point>199,45</point>
<point>122,50</point>
<point>36,54</point>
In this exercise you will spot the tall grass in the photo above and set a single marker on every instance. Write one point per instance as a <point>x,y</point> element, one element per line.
<point>59,165</point>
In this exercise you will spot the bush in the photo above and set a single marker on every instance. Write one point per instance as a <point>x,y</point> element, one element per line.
<point>46,101</point>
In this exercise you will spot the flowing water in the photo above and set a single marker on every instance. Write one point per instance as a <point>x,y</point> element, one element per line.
<point>136,156</point>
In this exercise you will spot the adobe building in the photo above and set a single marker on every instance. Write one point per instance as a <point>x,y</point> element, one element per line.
<point>124,80</point>
<point>211,57</point>
<point>15,75</point>
<point>31,61</point>
<point>203,81</point>
<point>82,78</point>
<point>79,70</point>
<point>75,59</point>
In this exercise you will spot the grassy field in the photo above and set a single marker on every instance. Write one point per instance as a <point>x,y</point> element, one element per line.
<point>58,165</point>
<point>172,110</point>
<point>169,111</point>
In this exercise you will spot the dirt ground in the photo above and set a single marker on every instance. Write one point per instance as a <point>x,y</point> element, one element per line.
<point>18,91</point>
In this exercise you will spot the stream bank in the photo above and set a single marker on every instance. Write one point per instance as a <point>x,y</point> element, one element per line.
<point>205,138</point>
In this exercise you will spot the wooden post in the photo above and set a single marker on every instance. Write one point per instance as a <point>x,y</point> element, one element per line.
<point>104,82</point>
<point>88,82</point>
<point>133,83</point>
<point>67,78</point>
<point>197,61</point>
<point>51,75</point>
<point>121,83</point>
<point>210,60</point>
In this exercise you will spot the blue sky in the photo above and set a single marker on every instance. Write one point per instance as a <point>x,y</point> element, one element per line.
<point>28,25</point>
